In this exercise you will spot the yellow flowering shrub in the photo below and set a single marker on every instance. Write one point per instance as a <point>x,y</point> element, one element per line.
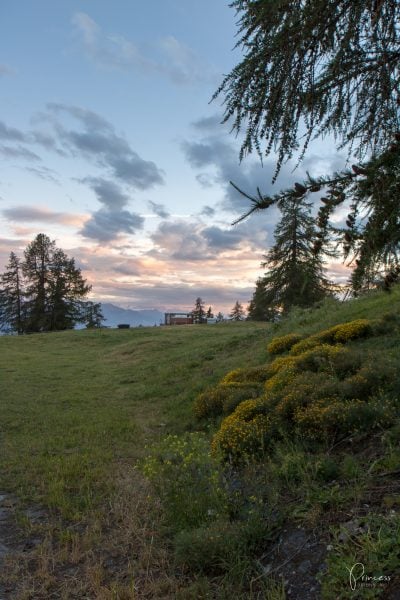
<point>342,333</point>
<point>282,344</point>
<point>330,416</point>
<point>251,374</point>
<point>351,330</point>
<point>320,358</point>
<point>242,435</point>
<point>223,398</point>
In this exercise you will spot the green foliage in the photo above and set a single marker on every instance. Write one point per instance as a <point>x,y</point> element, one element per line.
<point>45,292</point>
<point>237,313</point>
<point>318,392</point>
<point>242,436</point>
<point>211,549</point>
<point>224,398</point>
<point>368,551</point>
<point>188,480</point>
<point>294,57</point>
<point>295,273</point>
<point>284,343</point>
<point>248,375</point>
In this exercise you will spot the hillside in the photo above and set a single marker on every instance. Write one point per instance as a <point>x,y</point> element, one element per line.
<point>109,489</point>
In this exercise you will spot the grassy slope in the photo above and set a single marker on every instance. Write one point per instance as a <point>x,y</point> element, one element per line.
<point>77,406</point>
<point>74,403</point>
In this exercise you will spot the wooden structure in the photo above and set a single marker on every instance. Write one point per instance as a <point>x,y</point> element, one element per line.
<point>178,318</point>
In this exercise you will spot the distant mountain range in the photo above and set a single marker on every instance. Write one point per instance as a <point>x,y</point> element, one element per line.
<point>115,315</point>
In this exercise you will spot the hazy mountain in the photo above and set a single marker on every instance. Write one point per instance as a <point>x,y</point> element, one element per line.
<point>115,315</point>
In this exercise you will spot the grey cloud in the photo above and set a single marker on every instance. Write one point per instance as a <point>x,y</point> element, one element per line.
<point>207,124</point>
<point>222,238</point>
<point>26,214</point>
<point>105,225</point>
<point>173,59</point>
<point>158,209</point>
<point>208,211</point>
<point>19,152</point>
<point>180,241</point>
<point>44,173</point>
<point>99,141</point>
<point>107,192</point>
<point>206,180</point>
<point>193,241</point>
<point>10,133</point>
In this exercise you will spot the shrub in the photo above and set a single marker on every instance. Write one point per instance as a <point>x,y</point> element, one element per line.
<point>342,333</point>
<point>352,330</point>
<point>188,480</point>
<point>243,434</point>
<point>212,549</point>
<point>224,398</point>
<point>284,343</point>
<point>249,375</point>
<point>331,416</point>
<point>320,358</point>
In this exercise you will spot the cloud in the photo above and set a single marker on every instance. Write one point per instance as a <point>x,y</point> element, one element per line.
<point>207,211</point>
<point>158,209</point>
<point>105,225</point>
<point>25,214</point>
<point>111,220</point>
<point>194,241</point>
<point>181,241</point>
<point>107,192</point>
<point>172,59</point>
<point>10,133</point>
<point>99,142</point>
<point>19,152</point>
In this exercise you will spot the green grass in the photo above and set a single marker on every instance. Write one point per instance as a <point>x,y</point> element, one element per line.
<point>79,410</point>
<point>75,403</point>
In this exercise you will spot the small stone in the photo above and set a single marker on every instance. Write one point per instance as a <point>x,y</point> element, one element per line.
<point>329,547</point>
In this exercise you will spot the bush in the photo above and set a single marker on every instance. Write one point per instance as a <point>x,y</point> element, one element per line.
<point>188,480</point>
<point>243,434</point>
<point>352,330</point>
<point>211,549</point>
<point>284,343</point>
<point>342,333</point>
<point>331,416</point>
<point>224,398</point>
<point>249,375</point>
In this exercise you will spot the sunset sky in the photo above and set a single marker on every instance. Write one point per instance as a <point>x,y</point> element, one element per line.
<point>109,144</point>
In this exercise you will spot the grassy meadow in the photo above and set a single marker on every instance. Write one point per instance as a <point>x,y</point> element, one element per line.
<point>97,428</point>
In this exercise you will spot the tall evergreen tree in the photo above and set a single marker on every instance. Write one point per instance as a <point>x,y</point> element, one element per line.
<point>36,269</point>
<point>295,275</point>
<point>237,313</point>
<point>199,314</point>
<point>259,308</point>
<point>12,297</point>
<point>50,297</point>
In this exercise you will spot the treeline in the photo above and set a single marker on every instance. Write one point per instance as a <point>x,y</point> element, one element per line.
<point>44,291</point>
<point>200,314</point>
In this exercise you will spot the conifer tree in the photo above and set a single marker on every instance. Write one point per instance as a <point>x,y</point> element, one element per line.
<point>12,297</point>
<point>238,312</point>
<point>51,294</point>
<point>199,314</point>
<point>295,275</point>
<point>259,308</point>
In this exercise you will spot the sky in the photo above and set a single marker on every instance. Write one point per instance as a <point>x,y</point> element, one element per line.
<point>109,145</point>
